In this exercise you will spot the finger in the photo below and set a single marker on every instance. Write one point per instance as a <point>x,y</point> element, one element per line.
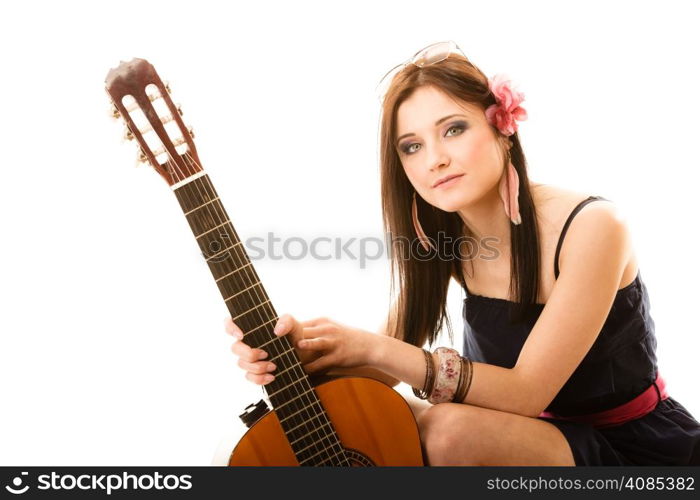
<point>232,329</point>
<point>288,325</point>
<point>315,321</point>
<point>260,379</point>
<point>284,325</point>
<point>247,353</point>
<point>258,368</point>
<point>319,366</point>
<point>315,344</point>
<point>311,332</point>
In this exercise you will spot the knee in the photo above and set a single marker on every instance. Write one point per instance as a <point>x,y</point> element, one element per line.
<point>438,427</point>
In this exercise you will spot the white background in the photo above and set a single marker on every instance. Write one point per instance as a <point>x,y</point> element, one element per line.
<point>112,349</point>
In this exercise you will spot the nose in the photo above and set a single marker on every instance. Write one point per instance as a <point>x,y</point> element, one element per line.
<point>437,157</point>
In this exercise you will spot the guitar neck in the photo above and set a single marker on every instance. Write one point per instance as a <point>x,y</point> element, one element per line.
<point>239,284</point>
<point>235,276</point>
<point>135,88</point>
<point>291,393</point>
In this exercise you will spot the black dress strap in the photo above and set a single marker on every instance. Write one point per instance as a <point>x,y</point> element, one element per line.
<point>566,226</point>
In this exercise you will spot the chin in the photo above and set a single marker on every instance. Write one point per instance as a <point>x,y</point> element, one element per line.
<point>452,202</point>
<point>449,206</point>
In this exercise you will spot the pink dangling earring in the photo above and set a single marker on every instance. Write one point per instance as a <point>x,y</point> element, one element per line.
<point>509,188</point>
<point>417,227</point>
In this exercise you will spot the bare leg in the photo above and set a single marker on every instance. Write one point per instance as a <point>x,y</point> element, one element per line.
<point>462,434</point>
<point>417,405</point>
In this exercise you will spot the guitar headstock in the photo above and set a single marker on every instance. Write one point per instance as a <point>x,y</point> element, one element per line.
<point>142,99</point>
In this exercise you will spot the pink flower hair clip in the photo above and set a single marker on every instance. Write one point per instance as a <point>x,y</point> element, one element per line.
<point>503,115</point>
<point>507,109</point>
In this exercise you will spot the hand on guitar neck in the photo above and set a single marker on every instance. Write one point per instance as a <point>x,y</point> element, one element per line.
<point>331,348</point>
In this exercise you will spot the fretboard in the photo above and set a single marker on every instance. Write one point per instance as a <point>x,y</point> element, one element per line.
<point>291,394</point>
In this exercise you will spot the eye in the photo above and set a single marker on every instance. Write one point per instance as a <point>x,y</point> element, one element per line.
<point>409,148</point>
<point>458,127</point>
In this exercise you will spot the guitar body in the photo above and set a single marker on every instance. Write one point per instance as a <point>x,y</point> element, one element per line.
<point>375,425</point>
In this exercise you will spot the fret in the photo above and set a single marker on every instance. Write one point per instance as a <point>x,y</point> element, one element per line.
<point>242,291</point>
<point>269,341</point>
<point>344,459</point>
<point>321,451</point>
<point>204,220</point>
<point>253,322</point>
<point>199,188</point>
<point>314,447</point>
<point>308,422</point>
<point>220,268</point>
<point>308,433</point>
<point>308,427</point>
<point>278,407</point>
<point>293,388</point>
<point>303,432</point>
<point>323,412</point>
<point>316,443</point>
<point>260,326</point>
<point>234,271</point>
<point>278,374</point>
<point>210,230</point>
<point>200,206</point>
<point>249,310</point>
<point>281,354</point>
<point>214,239</point>
<point>194,194</point>
<point>232,292</point>
<point>224,250</point>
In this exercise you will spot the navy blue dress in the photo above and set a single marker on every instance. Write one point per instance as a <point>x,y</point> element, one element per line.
<point>620,365</point>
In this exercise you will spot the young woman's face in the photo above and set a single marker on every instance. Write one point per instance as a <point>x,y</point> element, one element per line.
<point>438,136</point>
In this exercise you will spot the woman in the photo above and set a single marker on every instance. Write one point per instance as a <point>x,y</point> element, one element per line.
<point>558,365</point>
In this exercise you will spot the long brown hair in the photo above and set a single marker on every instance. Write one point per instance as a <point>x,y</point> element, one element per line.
<point>423,282</point>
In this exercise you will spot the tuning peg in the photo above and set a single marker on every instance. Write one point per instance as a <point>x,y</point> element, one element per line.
<point>128,135</point>
<point>142,156</point>
<point>167,87</point>
<point>189,129</point>
<point>114,112</point>
<point>179,110</point>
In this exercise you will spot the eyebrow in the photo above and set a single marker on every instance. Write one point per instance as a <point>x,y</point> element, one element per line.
<point>436,124</point>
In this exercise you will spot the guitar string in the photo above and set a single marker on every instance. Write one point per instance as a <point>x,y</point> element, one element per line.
<point>295,366</point>
<point>311,399</point>
<point>247,273</point>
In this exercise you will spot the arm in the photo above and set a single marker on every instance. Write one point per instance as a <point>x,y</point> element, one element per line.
<point>593,258</point>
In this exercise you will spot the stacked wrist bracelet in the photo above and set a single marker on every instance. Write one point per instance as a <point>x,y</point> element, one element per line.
<point>452,380</point>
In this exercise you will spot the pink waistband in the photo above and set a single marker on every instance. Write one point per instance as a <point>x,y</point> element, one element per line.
<point>636,408</point>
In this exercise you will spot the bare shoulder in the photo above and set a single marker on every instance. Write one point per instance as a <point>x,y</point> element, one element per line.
<point>554,205</point>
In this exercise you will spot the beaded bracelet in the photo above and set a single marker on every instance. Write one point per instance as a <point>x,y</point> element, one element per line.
<point>449,373</point>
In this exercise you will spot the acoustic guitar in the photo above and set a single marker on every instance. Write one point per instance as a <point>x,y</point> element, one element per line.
<point>314,421</point>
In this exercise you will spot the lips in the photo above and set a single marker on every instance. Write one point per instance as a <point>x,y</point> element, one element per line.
<point>445,179</point>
